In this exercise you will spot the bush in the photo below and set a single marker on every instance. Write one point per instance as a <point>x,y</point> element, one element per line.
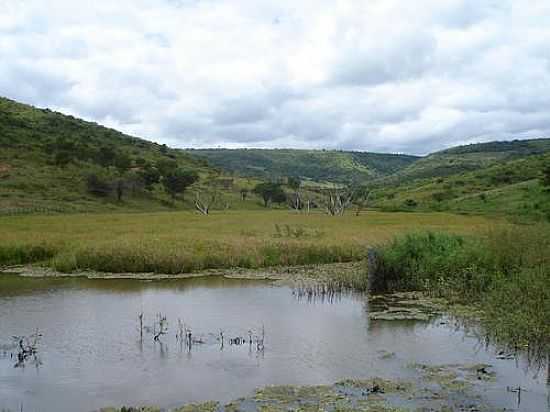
<point>410,203</point>
<point>506,273</point>
<point>98,186</point>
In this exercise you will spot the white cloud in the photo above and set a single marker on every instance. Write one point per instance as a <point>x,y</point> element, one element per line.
<point>378,75</point>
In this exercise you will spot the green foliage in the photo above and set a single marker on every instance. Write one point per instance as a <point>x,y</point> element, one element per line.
<point>178,181</point>
<point>62,158</point>
<point>315,165</point>
<point>270,193</point>
<point>166,166</point>
<point>546,176</point>
<point>46,158</point>
<point>106,156</point>
<point>97,185</point>
<point>508,187</point>
<point>294,183</point>
<point>20,254</point>
<point>464,159</point>
<point>122,162</point>
<point>507,273</point>
<point>150,176</point>
<point>410,203</point>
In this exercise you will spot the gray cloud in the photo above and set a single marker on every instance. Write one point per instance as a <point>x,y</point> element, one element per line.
<point>383,75</point>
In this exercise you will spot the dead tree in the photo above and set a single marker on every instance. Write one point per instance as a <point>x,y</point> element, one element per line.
<point>295,201</point>
<point>204,201</point>
<point>140,317</point>
<point>28,348</point>
<point>337,201</point>
<point>162,327</point>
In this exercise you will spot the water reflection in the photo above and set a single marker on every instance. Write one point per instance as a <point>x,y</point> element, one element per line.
<point>94,355</point>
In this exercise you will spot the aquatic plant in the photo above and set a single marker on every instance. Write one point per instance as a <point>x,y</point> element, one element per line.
<point>506,273</point>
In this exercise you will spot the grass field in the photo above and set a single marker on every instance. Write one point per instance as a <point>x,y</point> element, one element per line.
<point>180,242</point>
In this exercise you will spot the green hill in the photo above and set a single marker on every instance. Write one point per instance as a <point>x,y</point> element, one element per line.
<point>315,165</point>
<point>50,162</point>
<point>511,186</point>
<point>462,159</point>
<point>46,159</point>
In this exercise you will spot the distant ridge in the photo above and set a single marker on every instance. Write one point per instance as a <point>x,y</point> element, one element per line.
<point>336,166</point>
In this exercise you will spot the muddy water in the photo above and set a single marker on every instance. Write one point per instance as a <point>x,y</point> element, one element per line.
<point>91,355</point>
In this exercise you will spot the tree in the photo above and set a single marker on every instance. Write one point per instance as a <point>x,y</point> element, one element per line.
<point>270,193</point>
<point>546,177</point>
<point>178,181</point>
<point>122,162</point>
<point>106,156</point>
<point>410,203</point>
<point>97,186</point>
<point>120,187</point>
<point>337,200</point>
<point>295,201</point>
<point>205,200</point>
<point>360,197</point>
<point>244,194</point>
<point>62,158</point>
<point>150,176</point>
<point>294,183</point>
<point>166,166</point>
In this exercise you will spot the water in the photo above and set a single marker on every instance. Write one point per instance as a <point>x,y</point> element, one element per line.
<point>91,355</point>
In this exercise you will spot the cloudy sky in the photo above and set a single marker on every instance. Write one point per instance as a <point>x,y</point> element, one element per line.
<point>377,75</point>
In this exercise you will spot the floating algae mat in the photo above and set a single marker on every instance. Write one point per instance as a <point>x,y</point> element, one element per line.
<point>280,352</point>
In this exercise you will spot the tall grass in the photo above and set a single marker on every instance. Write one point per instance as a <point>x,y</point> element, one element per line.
<point>181,242</point>
<point>173,259</point>
<point>506,273</point>
<point>22,253</point>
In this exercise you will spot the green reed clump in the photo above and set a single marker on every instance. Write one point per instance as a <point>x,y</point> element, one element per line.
<point>20,254</point>
<point>506,273</point>
<point>518,307</point>
<point>164,258</point>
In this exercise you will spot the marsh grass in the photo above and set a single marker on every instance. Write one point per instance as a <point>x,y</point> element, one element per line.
<point>169,259</point>
<point>506,273</point>
<point>18,254</point>
<point>180,242</point>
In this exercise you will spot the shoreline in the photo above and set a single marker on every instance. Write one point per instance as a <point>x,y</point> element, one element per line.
<point>317,272</point>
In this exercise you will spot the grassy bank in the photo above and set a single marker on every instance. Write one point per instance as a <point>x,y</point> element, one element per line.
<point>506,273</point>
<point>181,242</point>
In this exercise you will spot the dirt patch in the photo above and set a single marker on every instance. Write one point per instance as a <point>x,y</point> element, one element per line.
<point>5,169</point>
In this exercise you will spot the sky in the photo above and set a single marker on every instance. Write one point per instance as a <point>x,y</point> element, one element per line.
<point>377,75</point>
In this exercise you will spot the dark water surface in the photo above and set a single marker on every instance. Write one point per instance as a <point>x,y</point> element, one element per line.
<point>91,355</point>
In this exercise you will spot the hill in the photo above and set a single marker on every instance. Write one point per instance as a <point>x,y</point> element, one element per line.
<point>51,162</point>
<point>47,159</point>
<point>462,159</point>
<point>514,186</point>
<point>314,165</point>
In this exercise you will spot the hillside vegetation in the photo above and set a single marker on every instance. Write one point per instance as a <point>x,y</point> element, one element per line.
<point>313,165</point>
<point>53,162</point>
<point>462,159</point>
<point>514,186</point>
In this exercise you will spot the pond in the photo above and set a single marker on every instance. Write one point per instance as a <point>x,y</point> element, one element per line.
<point>91,355</point>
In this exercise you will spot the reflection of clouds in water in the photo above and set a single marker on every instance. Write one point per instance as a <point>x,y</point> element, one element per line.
<point>92,342</point>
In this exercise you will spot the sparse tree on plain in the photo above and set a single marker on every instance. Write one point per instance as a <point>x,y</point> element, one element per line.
<point>270,193</point>
<point>178,181</point>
